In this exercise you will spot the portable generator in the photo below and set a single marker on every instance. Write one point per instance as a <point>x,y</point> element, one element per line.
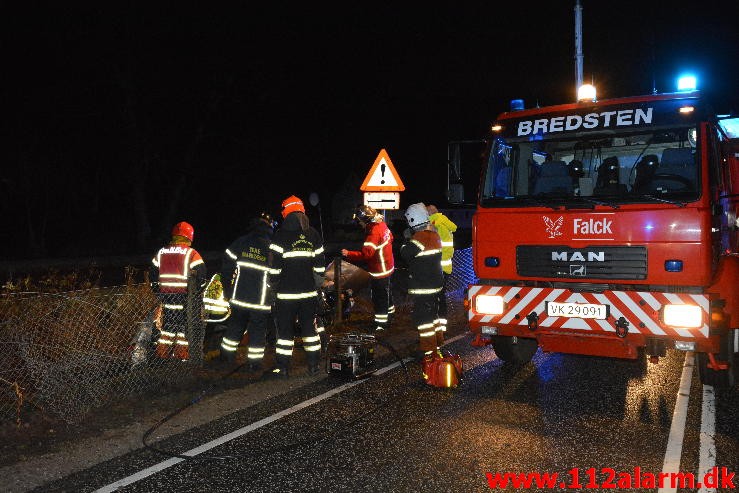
<point>351,355</point>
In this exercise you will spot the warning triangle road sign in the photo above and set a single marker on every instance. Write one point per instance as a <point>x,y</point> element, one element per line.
<point>382,176</point>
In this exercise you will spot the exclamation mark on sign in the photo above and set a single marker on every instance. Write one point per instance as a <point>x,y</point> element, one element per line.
<point>382,173</point>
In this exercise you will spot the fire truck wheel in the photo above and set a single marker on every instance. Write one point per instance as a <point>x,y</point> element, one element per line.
<point>721,378</point>
<point>516,350</point>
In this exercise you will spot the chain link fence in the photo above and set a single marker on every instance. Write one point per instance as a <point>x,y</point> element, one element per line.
<point>463,273</point>
<point>68,353</point>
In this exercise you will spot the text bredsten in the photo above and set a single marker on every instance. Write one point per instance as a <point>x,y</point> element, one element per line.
<point>620,118</point>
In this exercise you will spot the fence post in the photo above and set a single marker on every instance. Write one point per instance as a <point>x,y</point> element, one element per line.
<point>194,324</point>
<point>337,285</point>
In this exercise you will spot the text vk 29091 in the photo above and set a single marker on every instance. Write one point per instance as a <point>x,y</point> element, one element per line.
<point>608,478</point>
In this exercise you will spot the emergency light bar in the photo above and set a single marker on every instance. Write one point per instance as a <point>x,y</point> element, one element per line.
<point>686,83</point>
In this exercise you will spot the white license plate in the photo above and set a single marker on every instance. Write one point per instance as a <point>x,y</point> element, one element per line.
<point>577,310</point>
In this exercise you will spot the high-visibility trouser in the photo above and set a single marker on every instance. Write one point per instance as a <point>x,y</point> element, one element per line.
<point>172,342</point>
<point>441,321</point>
<point>381,299</point>
<point>424,314</point>
<point>321,331</point>
<point>253,322</point>
<point>286,313</point>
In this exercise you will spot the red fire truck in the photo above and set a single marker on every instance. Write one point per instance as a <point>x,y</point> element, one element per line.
<point>609,228</point>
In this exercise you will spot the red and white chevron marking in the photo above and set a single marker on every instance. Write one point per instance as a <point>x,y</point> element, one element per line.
<point>635,306</point>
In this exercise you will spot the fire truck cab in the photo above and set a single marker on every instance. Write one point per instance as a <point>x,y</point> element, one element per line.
<point>609,228</point>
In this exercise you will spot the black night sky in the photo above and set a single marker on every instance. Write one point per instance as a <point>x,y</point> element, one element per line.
<point>124,120</point>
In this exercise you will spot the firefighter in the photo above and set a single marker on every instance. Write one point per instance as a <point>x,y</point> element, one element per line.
<point>377,252</point>
<point>422,253</point>
<point>177,270</point>
<point>214,301</point>
<point>297,270</point>
<point>446,228</point>
<point>245,272</point>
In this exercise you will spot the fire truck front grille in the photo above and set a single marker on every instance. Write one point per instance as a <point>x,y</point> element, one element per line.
<point>599,262</point>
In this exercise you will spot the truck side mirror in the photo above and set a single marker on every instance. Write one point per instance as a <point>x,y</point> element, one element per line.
<point>455,193</point>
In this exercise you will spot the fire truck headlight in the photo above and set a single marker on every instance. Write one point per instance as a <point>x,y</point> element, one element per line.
<point>489,304</point>
<point>689,316</point>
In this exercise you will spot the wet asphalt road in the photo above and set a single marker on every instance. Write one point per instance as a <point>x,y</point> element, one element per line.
<point>393,433</point>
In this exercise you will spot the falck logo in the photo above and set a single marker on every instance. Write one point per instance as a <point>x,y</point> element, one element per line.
<point>577,270</point>
<point>553,226</point>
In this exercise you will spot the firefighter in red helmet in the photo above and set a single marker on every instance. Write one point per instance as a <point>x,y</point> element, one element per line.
<point>177,272</point>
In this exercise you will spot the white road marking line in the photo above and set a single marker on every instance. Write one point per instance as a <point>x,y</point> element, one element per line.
<point>144,473</point>
<point>674,449</point>
<point>708,430</point>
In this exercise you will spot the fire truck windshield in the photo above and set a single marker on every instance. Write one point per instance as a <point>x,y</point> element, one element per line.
<point>613,168</point>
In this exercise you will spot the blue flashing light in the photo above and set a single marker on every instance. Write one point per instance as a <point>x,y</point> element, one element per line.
<point>649,226</point>
<point>517,104</point>
<point>674,265</point>
<point>492,262</point>
<point>687,83</point>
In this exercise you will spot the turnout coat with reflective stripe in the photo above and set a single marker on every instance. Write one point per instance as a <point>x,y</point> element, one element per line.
<point>377,250</point>
<point>423,256</point>
<point>245,269</point>
<point>297,259</point>
<point>446,228</point>
<point>173,264</point>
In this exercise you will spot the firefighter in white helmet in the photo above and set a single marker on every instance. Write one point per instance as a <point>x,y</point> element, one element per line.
<point>177,269</point>
<point>422,253</point>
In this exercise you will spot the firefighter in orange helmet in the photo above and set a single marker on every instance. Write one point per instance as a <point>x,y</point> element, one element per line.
<point>177,268</point>
<point>296,273</point>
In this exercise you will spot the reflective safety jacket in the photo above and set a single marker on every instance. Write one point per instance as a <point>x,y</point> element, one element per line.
<point>446,228</point>
<point>245,269</point>
<point>297,264</point>
<point>214,301</point>
<point>423,256</point>
<point>377,250</point>
<point>174,264</point>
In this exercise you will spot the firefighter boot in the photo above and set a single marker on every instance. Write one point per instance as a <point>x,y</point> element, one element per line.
<point>255,370</point>
<point>278,372</point>
<point>227,356</point>
<point>440,336</point>
<point>281,370</point>
<point>313,358</point>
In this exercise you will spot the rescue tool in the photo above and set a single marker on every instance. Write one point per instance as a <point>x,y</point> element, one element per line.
<point>351,355</point>
<point>442,369</point>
